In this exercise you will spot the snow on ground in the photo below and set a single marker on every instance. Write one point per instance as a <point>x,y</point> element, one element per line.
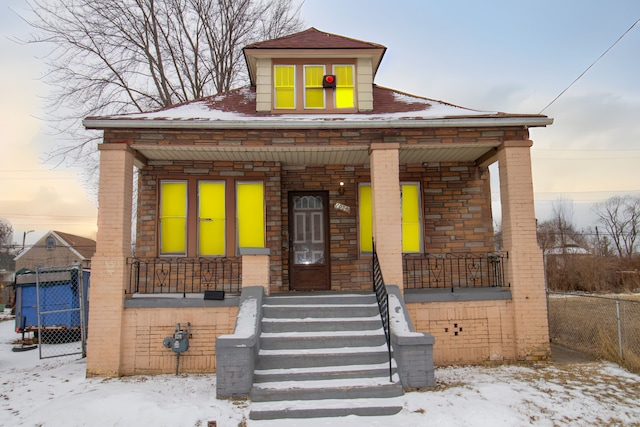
<point>55,392</point>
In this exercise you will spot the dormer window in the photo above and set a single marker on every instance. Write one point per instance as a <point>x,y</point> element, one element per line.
<point>284,87</point>
<point>313,90</point>
<point>345,89</point>
<point>310,95</point>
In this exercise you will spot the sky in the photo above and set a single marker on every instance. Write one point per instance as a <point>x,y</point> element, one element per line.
<point>495,55</point>
<point>597,393</point>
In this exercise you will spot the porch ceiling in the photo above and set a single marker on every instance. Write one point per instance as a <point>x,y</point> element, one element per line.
<point>327,155</point>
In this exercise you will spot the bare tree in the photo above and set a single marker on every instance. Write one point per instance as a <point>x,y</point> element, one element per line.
<point>120,56</point>
<point>620,216</point>
<point>6,235</point>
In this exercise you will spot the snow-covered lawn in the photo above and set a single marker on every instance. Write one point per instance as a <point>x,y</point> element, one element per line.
<point>54,392</point>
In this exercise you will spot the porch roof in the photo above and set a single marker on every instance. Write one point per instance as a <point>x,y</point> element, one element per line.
<point>318,155</point>
<point>236,110</point>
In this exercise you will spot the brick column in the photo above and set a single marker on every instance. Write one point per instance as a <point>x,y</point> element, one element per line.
<point>524,268</point>
<point>109,274</point>
<point>256,268</point>
<point>387,215</point>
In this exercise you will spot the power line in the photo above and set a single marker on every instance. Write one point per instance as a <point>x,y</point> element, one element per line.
<point>589,67</point>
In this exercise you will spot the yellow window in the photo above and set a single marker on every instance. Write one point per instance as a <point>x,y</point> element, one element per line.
<point>284,86</point>
<point>250,212</point>
<point>411,218</point>
<point>365,218</point>
<point>313,90</point>
<point>345,89</point>
<point>411,235</point>
<point>173,217</point>
<point>211,218</point>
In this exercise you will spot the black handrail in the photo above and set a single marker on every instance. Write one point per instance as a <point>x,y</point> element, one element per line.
<point>382,297</point>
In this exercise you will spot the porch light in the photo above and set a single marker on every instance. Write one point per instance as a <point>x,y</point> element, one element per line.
<point>329,81</point>
<point>341,189</point>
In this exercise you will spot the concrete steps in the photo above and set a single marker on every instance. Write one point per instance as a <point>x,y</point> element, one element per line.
<point>322,356</point>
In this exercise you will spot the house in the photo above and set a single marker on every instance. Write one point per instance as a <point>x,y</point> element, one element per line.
<point>57,249</point>
<point>285,185</point>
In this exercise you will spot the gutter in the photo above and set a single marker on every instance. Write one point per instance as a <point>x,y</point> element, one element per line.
<point>526,121</point>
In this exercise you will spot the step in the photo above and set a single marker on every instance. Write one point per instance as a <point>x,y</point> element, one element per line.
<point>308,358</point>
<point>349,388</point>
<point>320,298</point>
<point>321,339</point>
<point>273,325</point>
<point>324,373</point>
<point>325,408</point>
<point>306,311</point>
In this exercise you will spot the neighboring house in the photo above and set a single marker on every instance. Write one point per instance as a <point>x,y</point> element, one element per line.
<point>57,249</point>
<point>569,247</point>
<point>285,183</point>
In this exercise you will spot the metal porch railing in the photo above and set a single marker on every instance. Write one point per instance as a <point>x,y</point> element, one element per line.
<point>450,271</point>
<point>184,275</point>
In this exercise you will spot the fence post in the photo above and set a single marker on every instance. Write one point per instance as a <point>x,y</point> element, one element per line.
<point>619,329</point>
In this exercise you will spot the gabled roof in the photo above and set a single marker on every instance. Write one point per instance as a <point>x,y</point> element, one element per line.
<point>237,109</point>
<point>312,43</point>
<point>313,38</point>
<point>82,247</point>
<point>85,247</point>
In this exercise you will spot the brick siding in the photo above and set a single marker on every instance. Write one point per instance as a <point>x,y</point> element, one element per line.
<point>456,195</point>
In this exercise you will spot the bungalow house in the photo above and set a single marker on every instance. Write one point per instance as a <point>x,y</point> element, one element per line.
<point>57,249</point>
<point>290,185</point>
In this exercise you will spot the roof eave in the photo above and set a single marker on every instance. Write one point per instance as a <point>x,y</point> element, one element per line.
<point>252,123</point>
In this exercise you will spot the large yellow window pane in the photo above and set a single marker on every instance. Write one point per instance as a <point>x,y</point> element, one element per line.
<point>345,89</point>
<point>211,218</point>
<point>284,86</point>
<point>173,217</point>
<point>365,218</point>
<point>314,92</point>
<point>410,218</point>
<point>250,212</point>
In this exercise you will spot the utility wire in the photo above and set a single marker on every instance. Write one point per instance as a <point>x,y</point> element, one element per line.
<point>589,67</point>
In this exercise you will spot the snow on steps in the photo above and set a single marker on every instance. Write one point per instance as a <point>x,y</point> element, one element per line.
<point>320,356</point>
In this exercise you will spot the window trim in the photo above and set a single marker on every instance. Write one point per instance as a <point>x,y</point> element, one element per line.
<point>353,87</point>
<point>198,218</point>
<point>192,229</point>
<point>295,87</point>
<point>320,88</point>
<point>299,95</point>
<point>238,183</point>
<point>186,231</point>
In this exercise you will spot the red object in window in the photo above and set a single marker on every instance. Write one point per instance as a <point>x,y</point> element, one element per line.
<point>329,81</point>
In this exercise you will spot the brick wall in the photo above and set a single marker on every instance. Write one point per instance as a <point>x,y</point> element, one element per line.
<point>144,329</point>
<point>467,332</point>
<point>457,204</point>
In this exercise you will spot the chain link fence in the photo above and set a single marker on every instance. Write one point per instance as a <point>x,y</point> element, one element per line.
<point>51,303</point>
<point>604,327</point>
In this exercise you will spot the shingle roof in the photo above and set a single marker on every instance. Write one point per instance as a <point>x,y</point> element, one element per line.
<point>241,104</point>
<point>238,108</point>
<point>85,247</point>
<point>313,38</point>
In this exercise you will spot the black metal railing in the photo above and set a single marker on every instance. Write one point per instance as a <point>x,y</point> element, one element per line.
<point>450,271</point>
<point>382,297</point>
<point>184,275</point>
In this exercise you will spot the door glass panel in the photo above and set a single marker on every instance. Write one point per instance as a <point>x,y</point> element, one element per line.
<point>308,239</point>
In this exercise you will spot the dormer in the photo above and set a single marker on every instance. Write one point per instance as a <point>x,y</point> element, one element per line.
<point>288,73</point>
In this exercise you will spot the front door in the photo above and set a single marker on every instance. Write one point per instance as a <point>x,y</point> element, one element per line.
<point>309,268</point>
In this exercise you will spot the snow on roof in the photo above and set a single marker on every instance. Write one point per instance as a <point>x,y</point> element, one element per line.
<point>239,104</point>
